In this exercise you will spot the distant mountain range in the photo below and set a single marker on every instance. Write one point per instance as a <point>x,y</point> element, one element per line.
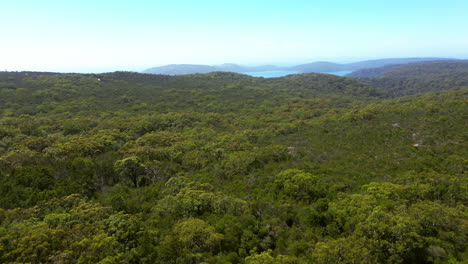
<point>413,69</point>
<point>413,78</point>
<point>319,66</point>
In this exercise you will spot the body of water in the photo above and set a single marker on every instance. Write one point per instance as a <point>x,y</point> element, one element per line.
<point>273,74</point>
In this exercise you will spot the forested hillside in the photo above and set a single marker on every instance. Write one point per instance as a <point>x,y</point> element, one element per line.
<point>398,80</point>
<point>225,168</point>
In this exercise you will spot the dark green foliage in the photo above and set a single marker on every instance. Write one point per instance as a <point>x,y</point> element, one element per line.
<point>372,72</point>
<point>131,169</point>
<point>412,69</point>
<point>399,80</point>
<point>428,68</point>
<point>226,168</point>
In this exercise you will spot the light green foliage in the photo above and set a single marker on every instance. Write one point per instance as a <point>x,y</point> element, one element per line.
<point>297,184</point>
<point>238,162</point>
<point>188,198</point>
<point>82,233</point>
<point>225,168</point>
<point>381,218</point>
<point>196,235</point>
<point>266,258</point>
<point>131,169</point>
<point>343,250</point>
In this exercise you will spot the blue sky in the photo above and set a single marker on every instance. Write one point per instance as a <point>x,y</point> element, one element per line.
<point>96,36</point>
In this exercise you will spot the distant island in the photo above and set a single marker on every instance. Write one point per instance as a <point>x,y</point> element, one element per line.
<point>179,69</point>
<point>318,66</point>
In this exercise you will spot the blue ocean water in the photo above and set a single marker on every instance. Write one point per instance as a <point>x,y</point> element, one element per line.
<point>273,74</point>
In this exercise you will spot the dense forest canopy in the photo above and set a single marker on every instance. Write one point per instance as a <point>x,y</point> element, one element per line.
<point>221,167</point>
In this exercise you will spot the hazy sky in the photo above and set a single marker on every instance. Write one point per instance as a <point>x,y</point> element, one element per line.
<point>102,35</point>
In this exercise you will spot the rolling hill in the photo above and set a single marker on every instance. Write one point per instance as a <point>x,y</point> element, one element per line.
<point>398,80</point>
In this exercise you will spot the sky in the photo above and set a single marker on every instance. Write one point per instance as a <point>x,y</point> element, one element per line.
<point>109,35</point>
